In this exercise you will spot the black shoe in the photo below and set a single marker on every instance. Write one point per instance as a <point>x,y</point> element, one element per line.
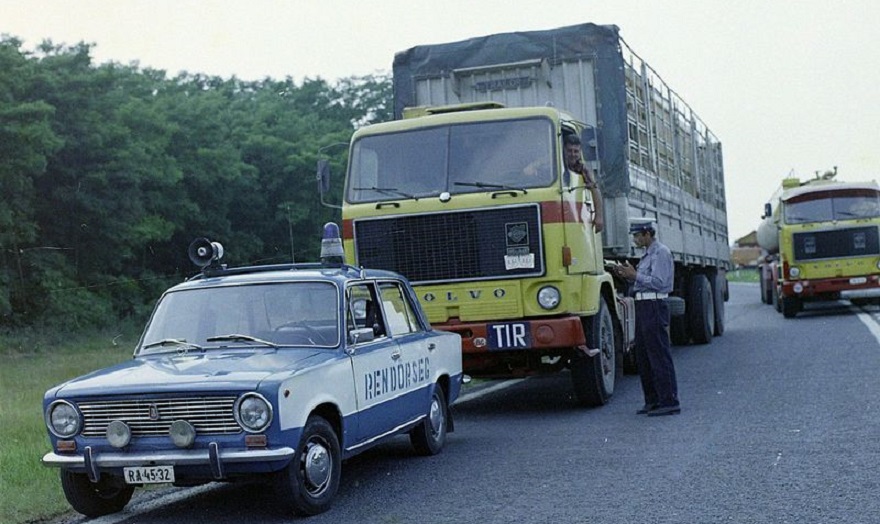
<point>659,411</point>
<point>646,408</point>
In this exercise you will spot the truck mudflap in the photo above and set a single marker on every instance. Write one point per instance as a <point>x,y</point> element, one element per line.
<point>820,288</point>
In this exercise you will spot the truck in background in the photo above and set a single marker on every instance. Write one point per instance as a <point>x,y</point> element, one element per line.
<point>466,194</point>
<point>820,241</point>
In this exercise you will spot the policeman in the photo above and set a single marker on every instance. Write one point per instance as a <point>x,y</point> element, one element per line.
<point>652,281</point>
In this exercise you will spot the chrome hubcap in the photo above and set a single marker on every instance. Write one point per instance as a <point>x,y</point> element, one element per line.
<point>316,465</point>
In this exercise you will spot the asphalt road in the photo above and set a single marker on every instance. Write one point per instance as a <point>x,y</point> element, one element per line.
<point>780,424</point>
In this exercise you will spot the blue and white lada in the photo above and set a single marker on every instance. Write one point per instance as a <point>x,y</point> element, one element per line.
<point>275,372</point>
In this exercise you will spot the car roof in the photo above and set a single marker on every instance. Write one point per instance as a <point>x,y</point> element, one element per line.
<point>338,274</point>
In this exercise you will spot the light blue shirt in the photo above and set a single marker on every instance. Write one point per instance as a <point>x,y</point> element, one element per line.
<point>655,271</point>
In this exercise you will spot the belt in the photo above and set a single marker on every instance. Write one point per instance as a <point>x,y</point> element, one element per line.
<point>651,296</point>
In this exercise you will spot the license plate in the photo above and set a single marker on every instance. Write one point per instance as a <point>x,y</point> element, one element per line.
<point>149,475</point>
<point>519,261</point>
<point>858,280</point>
<point>511,335</point>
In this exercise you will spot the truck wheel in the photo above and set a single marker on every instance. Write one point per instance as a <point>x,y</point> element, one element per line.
<point>702,310</point>
<point>678,332</point>
<point>429,436</point>
<point>309,483</point>
<point>718,282</point>
<point>108,495</point>
<point>765,292</point>
<point>593,377</point>
<point>791,306</point>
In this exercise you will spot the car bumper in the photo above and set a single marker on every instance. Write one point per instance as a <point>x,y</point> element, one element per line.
<point>213,457</point>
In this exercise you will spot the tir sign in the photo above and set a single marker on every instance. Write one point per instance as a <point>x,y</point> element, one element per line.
<point>509,336</point>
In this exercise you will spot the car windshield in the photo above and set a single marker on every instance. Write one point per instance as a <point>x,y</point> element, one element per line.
<point>270,315</point>
<point>462,158</point>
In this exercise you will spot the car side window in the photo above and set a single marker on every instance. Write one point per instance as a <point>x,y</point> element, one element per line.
<point>399,311</point>
<point>364,310</point>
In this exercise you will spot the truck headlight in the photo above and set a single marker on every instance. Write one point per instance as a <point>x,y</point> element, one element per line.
<point>548,297</point>
<point>794,272</point>
<point>253,412</point>
<point>63,419</point>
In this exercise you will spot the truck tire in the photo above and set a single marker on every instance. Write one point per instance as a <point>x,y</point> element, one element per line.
<point>791,306</point>
<point>678,330</point>
<point>593,377</point>
<point>718,285</point>
<point>766,288</point>
<point>701,307</point>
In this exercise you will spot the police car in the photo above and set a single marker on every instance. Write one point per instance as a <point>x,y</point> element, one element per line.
<point>277,372</point>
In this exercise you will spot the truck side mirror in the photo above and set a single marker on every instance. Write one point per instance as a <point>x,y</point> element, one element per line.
<point>768,210</point>
<point>323,176</point>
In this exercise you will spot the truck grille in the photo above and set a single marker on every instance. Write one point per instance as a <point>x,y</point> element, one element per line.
<point>458,245</point>
<point>148,417</point>
<point>851,242</point>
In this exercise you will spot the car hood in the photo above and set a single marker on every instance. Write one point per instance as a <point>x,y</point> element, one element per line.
<point>210,371</point>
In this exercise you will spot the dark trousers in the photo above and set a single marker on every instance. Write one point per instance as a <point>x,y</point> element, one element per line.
<point>653,353</point>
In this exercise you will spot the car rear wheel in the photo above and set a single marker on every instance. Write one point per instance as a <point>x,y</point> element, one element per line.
<point>309,483</point>
<point>94,499</point>
<point>429,436</point>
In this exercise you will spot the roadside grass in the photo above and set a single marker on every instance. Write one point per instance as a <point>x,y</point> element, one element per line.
<point>32,363</point>
<point>743,275</point>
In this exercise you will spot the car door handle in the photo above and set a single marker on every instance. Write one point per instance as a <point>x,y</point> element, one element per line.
<point>395,355</point>
<point>432,346</point>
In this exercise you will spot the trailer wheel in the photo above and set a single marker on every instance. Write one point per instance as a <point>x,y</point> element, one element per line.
<point>702,310</point>
<point>593,377</point>
<point>791,306</point>
<point>718,285</point>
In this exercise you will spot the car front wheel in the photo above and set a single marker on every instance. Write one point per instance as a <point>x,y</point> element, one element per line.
<point>309,483</point>
<point>94,499</point>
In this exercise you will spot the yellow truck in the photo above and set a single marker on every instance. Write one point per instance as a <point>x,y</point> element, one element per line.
<point>467,195</point>
<point>820,241</point>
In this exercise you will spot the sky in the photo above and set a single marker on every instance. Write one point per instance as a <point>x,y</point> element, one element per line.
<point>788,87</point>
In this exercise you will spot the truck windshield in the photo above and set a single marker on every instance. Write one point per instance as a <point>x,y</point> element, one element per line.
<point>273,315</point>
<point>826,207</point>
<point>460,158</point>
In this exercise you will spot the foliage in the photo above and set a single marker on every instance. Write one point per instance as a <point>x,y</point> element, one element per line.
<point>107,172</point>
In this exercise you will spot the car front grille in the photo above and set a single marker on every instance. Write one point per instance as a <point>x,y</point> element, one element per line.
<point>149,417</point>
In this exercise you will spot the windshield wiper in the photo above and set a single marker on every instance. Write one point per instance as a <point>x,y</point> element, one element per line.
<point>387,191</point>
<point>173,342</point>
<point>241,338</point>
<point>482,185</point>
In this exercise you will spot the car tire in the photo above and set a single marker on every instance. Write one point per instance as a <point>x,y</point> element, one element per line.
<point>95,499</point>
<point>429,437</point>
<point>593,377</point>
<point>308,484</point>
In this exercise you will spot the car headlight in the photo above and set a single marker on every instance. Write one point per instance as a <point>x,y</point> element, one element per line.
<point>794,272</point>
<point>253,412</point>
<point>63,419</point>
<point>548,297</point>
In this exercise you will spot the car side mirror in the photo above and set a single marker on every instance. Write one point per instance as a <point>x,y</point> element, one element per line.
<point>359,335</point>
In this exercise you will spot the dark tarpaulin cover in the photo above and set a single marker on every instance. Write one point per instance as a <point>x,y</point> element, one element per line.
<point>600,43</point>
